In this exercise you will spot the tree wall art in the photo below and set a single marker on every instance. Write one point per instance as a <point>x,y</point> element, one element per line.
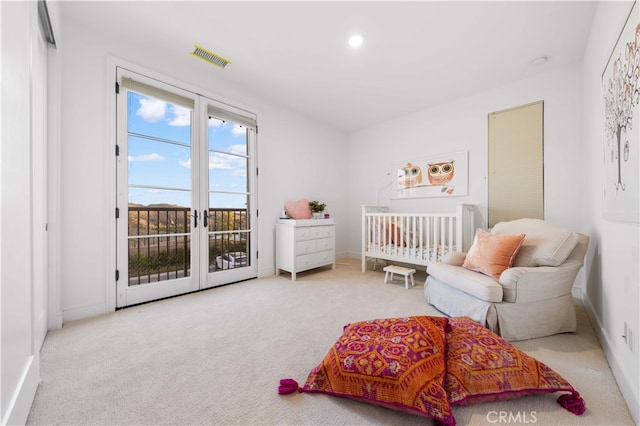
<point>621,96</point>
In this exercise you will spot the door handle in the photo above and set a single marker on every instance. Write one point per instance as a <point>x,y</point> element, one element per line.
<point>205,216</point>
<point>195,218</point>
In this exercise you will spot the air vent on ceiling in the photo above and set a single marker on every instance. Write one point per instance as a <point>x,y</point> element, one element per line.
<point>210,57</point>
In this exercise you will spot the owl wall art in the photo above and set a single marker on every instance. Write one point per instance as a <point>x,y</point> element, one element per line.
<point>409,176</point>
<point>441,173</point>
<point>437,176</point>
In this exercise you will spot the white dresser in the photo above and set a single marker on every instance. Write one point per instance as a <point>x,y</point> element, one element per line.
<point>304,244</point>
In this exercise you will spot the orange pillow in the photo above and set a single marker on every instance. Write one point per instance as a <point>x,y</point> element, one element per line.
<point>491,254</point>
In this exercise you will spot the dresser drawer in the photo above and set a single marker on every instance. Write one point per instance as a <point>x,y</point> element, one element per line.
<point>324,231</point>
<point>308,261</point>
<point>313,232</point>
<point>324,244</point>
<point>303,233</point>
<point>303,247</point>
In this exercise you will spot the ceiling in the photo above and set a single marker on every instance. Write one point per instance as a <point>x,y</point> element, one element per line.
<point>415,54</point>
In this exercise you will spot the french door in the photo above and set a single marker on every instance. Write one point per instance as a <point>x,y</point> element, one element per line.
<point>186,194</point>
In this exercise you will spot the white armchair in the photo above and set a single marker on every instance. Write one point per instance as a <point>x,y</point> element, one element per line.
<point>531,299</point>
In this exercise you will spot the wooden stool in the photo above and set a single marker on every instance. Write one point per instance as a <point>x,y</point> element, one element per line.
<point>406,272</point>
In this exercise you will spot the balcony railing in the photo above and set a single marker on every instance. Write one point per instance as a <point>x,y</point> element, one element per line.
<point>160,242</point>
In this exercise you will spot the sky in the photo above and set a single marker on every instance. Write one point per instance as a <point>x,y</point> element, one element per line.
<point>165,164</point>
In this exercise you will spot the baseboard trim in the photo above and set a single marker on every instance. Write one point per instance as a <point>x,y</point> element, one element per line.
<point>83,312</point>
<point>265,272</point>
<point>628,393</point>
<point>20,405</point>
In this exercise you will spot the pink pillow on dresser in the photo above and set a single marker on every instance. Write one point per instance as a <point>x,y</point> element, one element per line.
<point>298,209</point>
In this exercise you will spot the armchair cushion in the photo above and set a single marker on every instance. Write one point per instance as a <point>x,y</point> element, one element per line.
<point>481,286</point>
<point>455,258</point>
<point>491,254</point>
<point>545,244</point>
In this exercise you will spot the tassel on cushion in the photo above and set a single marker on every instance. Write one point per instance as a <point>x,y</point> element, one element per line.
<point>572,402</point>
<point>287,386</point>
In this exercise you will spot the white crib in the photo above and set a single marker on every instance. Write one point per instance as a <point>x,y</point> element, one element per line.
<point>415,238</point>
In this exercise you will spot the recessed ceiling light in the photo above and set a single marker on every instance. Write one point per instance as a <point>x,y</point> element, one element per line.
<point>355,40</point>
<point>539,61</point>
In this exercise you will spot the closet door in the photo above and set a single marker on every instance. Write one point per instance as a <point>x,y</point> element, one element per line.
<point>516,163</point>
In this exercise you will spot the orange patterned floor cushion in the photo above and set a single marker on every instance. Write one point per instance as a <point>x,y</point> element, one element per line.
<point>397,363</point>
<point>482,366</point>
<point>424,365</point>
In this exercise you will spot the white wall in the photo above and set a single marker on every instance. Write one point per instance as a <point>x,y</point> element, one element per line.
<point>462,125</point>
<point>293,154</point>
<point>612,292</point>
<point>22,214</point>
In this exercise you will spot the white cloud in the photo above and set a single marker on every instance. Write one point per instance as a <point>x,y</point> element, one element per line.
<point>219,161</point>
<point>181,116</point>
<point>214,122</point>
<point>240,149</point>
<point>216,161</point>
<point>152,110</point>
<point>155,110</point>
<point>147,157</point>
<point>238,130</point>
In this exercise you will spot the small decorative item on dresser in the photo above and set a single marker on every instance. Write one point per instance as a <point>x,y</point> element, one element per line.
<point>317,208</point>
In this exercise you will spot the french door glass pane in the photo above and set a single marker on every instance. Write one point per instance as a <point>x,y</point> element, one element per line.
<point>155,258</point>
<point>227,172</point>
<point>159,189</point>
<point>157,118</point>
<point>148,163</point>
<point>226,136</point>
<point>229,227</point>
<point>228,250</point>
<point>228,201</point>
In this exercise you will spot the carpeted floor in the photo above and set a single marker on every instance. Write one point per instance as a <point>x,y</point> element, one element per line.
<point>216,357</point>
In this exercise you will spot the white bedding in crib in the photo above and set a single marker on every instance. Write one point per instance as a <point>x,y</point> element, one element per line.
<point>422,253</point>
